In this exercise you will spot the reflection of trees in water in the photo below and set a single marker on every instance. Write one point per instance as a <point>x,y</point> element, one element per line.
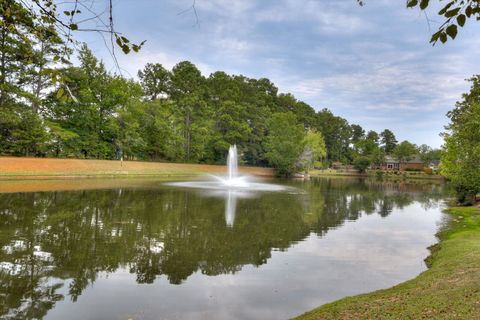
<point>348,199</point>
<point>77,234</point>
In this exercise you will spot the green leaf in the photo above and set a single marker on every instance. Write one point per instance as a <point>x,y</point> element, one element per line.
<point>452,13</point>
<point>461,20</point>
<point>435,36</point>
<point>73,26</point>
<point>452,31</point>
<point>67,13</point>
<point>424,4</point>
<point>411,3</point>
<point>125,49</point>
<point>59,93</point>
<point>444,9</point>
<point>468,11</point>
<point>443,37</point>
<point>125,40</point>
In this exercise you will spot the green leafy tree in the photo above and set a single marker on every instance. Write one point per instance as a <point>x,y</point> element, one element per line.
<point>259,97</point>
<point>304,113</point>
<point>337,133</point>
<point>91,113</point>
<point>16,49</point>
<point>48,47</point>
<point>314,151</point>
<point>357,133</point>
<point>461,157</point>
<point>377,156</point>
<point>388,141</point>
<point>365,147</point>
<point>160,130</point>
<point>155,80</point>
<point>374,136</point>
<point>22,131</point>
<point>428,154</point>
<point>361,163</point>
<point>229,114</point>
<point>405,151</point>
<point>189,92</point>
<point>284,142</point>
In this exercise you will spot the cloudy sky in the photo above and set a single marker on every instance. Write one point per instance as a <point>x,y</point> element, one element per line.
<point>372,65</point>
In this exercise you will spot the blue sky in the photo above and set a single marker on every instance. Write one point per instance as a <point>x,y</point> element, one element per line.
<point>372,65</point>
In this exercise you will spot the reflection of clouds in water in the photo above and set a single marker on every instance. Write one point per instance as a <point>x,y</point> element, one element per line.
<point>15,245</point>
<point>366,255</point>
<point>18,266</point>
<point>363,242</point>
<point>11,268</point>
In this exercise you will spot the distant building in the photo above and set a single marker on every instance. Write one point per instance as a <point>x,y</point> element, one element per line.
<point>434,165</point>
<point>392,163</point>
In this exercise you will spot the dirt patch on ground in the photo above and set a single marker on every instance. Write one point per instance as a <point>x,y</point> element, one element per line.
<point>44,168</point>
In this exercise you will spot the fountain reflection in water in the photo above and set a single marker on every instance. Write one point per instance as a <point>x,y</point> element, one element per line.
<point>232,186</point>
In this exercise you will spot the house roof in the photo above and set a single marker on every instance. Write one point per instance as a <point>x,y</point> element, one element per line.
<point>415,159</point>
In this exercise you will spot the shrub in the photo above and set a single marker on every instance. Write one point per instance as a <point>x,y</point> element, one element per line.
<point>361,163</point>
<point>428,171</point>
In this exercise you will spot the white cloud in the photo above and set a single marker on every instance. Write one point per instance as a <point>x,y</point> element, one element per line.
<point>226,8</point>
<point>326,17</point>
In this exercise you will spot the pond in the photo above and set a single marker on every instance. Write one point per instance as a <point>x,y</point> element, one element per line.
<point>143,249</point>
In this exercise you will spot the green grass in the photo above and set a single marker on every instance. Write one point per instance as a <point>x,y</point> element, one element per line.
<point>449,289</point>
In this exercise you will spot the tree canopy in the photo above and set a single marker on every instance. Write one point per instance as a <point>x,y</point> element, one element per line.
<point>461,156</point>
<point>50,107</point>
<point>176,115</point>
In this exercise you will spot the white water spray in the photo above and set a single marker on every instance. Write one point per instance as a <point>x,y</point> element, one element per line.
<point>232,162</point>
<point>232,181</point>
<point>232,186</point>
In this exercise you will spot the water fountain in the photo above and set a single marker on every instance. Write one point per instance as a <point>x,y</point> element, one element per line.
<point>232,186</point>
<point>232,181</point>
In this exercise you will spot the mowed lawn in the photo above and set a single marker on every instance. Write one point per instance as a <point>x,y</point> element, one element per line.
<point>21,167</point>
<point>449,289</point>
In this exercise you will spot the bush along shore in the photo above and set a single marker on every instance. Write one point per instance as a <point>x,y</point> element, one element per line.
<point>449,289</point>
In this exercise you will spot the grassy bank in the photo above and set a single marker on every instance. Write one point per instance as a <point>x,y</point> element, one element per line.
<point>449,289</point>
<point>388,175</point>
<point>13,167</point>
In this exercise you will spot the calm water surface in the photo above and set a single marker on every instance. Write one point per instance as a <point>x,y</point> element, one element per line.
<point>146,250</point>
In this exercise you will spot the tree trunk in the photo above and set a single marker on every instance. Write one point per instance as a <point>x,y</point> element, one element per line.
<point>3,68</point>
<point>187,137</point>
<point>38,85</point>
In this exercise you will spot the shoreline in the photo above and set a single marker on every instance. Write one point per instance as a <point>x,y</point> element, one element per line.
<point>448,289</point>
<point>414,298</point>
<point>386,175</point>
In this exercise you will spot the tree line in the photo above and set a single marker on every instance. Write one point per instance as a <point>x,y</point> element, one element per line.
<point>52,108</point>
<point>48,107</point>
